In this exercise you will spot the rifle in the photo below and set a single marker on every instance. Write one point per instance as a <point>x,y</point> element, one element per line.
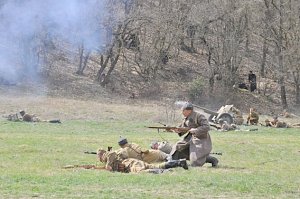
<point>109,148</point>
<point>84,166</point>
<point>181,130</point>
<point>90,152</point>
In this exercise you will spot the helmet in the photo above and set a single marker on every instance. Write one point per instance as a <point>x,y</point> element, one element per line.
<point>122,141</point>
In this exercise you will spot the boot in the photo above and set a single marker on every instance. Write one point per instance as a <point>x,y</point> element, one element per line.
<point>176,163</point>
<point>214,161</point>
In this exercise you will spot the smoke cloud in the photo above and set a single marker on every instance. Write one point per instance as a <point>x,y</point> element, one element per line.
<point>27,26</point>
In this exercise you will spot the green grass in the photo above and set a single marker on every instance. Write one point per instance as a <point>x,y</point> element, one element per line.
<point>259,164</point>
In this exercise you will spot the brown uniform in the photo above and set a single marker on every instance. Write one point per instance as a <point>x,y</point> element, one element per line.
<point>135,166</point>
<point>30,118</point>
<point>238,116</point>
<point>27,118</point>
<point>276,123</point>
<point>253,118</point>
<point>115,158</point>
<point>150,156</point>
<point>196,145</point>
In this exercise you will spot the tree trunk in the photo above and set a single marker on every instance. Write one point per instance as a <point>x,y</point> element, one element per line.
<point>297,94</point>
<point>280,59</point>
<point>296,75</point>
<point>283,93</point>
<point>79,70</point>
<point>264,58</point>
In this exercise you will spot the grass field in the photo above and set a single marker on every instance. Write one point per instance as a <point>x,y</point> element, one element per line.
<point>258,164</point>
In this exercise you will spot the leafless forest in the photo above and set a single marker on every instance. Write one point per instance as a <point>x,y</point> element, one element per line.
<point>193,49</point>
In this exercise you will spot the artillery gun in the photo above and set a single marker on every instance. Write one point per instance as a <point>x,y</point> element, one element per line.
<point>225,113</point>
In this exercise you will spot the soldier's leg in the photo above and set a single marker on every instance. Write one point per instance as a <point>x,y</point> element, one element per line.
<point>198,152</point>
<point>155,156</point>
<point>213,160</point>
<point>167,165</point>
<point>180,150</point>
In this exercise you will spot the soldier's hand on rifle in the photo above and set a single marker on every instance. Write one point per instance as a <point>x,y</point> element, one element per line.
<point>176,130</point>
<point>192,131</point>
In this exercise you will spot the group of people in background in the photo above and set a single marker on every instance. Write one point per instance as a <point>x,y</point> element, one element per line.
<point>253,119</point>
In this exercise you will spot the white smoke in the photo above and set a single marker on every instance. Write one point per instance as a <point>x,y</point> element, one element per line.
<point>27,25</point>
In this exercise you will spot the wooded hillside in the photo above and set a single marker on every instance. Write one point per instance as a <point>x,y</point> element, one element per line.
<point>197,50</point>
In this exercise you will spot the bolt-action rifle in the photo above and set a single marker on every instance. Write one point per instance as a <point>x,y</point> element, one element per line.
<point>84,166</point>
<point>180,130</point>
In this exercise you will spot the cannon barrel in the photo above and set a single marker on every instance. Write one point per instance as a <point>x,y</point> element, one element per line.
<point>206,110</point>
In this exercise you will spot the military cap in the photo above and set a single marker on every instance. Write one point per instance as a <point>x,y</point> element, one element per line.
<point>187,106</point>
<point>122,141</point>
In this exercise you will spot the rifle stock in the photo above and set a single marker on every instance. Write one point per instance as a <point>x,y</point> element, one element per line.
<point>84,166</point>
<point>181,130</point>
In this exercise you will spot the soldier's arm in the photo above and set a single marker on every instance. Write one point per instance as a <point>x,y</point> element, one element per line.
<point>203,127</point>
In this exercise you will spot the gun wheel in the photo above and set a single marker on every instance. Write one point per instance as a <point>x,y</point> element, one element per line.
<point>226,117</point>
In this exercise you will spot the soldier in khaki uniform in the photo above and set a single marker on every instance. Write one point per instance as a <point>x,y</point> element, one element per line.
<point>238,116</point>
<point>32,118</point>
<point>29,118</point>
<point>119,161</point>
<point>196,145</point>
<point>276,123</point>
<point>253,117</point>
<point>135,151</point>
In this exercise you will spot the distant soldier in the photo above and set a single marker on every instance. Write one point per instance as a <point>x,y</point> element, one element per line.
<point>252,81</point>
<point>33,118</point>
<point>238,116</point>
<point>135,151</point>
<point>29,118</point>
<point>225,126</point>
<point>253,117</point>
<point>276,123</point>
<point>119,161</point>
<point>13,117</point>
